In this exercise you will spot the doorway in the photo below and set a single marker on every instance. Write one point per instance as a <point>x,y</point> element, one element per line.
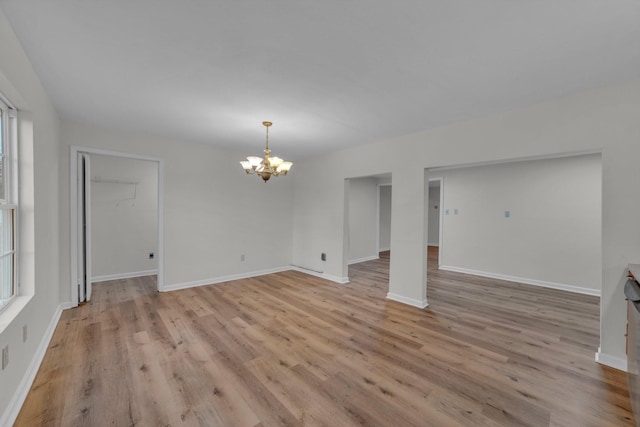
<point>114,181</point>
<point>367,227</point>
<point>384,218</point>
<point>535,221</point>
<point>434,226</point>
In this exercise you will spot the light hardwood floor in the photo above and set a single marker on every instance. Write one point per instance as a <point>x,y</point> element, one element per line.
<point>291,349</point>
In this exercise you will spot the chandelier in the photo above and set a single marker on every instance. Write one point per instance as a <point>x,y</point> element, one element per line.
<point>268,166</point>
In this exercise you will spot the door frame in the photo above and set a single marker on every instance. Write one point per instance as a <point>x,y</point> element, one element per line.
<point>74,153</point>
<point>83,227</point>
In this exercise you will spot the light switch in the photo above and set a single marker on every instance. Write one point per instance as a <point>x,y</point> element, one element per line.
<point>507,214</point>
<point>455,211</point>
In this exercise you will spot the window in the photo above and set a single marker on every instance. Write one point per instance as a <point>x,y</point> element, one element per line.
<point>8,205</point>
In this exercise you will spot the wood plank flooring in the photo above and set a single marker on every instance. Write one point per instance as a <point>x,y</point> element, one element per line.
<point>289,349</point>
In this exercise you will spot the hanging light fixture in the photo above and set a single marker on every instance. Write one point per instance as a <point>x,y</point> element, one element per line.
<point>268,166</point>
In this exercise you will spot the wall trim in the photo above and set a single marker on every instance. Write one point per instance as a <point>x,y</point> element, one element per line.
<point>222,279</point>
<point>15,404</point>
<point>524,280</point>
<point>615,362</point>
<point>408,301</point>
<point>96,279</point>
<point>363,259</point>
<point>341,280</point>
<point>384,250</point>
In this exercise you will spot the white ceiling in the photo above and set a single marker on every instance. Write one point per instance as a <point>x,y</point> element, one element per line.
<point>329,73</point>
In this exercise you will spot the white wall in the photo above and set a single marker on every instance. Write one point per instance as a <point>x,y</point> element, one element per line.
<point>385,217</point>
<point>124,217</point>
<point>434,215</point>
<point>606,119</point>
<point>553,233</point>
<point>363,217</point>
<point>213,211</point>
<point>39,221</point>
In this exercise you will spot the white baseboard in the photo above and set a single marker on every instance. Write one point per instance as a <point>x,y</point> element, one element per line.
<point>119,276</point>
<point>341,280</point>
<point>12,411</point>
<point>66,306</point>
<point>437,244</point>
<point>409,301</point>
<point>364,259</point>
<point>526,281</point>
<point>384,249</point>
<point>221,279</point>
<point>615,362</point>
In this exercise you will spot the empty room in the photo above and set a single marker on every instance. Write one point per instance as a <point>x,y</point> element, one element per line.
<point>332,213</point>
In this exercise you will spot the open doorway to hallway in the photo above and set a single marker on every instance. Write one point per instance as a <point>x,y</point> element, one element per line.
<point>368,222</point>
<point>384,221</point>
<point>532,221</point>
<point>434,229</point>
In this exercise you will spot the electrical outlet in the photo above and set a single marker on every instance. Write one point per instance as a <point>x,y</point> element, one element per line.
<point>24,333</point>
<point>5,356</point>
<point>151,255</point>
<point>242,257</point>
<point>323,256</point>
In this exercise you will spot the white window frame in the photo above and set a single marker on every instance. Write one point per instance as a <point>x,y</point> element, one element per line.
<point>9,204</point>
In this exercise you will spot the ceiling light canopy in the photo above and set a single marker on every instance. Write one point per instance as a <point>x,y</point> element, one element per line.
<point>267,166</point>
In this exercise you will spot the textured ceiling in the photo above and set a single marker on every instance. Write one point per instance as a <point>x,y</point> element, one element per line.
<point>328,74</point>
